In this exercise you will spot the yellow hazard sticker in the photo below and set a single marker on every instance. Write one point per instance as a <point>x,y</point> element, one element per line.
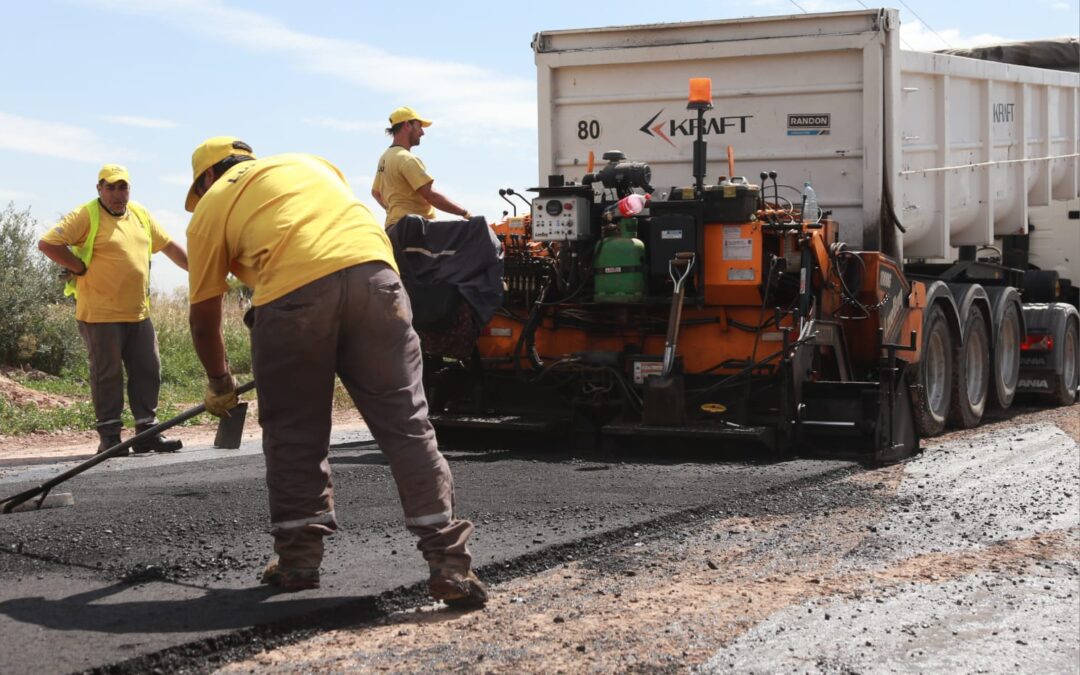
<point>713,407</point>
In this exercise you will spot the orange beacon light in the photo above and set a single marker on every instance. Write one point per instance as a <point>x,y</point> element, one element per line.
<point>701,91</point>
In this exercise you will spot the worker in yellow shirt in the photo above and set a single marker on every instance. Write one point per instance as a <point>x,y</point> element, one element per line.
<point>327,301</point>
<point>105,247</point>
<point>402,185</point>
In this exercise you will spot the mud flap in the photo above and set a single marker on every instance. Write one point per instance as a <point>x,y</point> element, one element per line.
<point>868,421</point>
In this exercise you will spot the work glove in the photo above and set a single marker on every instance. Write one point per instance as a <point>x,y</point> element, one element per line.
<point>220,395</point>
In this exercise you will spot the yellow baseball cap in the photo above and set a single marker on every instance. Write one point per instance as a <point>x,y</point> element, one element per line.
<point>405,114</point>
<point>209,153</point>
<point>113,173</point>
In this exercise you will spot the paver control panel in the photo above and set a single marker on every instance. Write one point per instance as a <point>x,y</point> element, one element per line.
<point>560,219</point>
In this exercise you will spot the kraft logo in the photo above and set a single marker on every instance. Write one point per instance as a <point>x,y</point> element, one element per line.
<point>688,126</point>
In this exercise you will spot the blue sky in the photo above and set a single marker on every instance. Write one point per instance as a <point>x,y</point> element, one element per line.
<point>142,82</point>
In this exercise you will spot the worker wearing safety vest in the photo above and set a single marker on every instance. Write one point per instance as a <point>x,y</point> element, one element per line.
<point>104,247</point>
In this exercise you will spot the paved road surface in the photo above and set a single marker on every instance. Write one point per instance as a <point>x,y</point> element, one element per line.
<point>164,551</point>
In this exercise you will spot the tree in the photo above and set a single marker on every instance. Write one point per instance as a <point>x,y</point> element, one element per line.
<point>31,332</point>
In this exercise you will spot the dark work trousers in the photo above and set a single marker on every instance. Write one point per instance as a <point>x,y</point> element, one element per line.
<point>115,348</point>
<point>355,323</point>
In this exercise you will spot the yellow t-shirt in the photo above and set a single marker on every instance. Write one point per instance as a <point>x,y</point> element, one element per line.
<point>113,290</point>
<point>278,223</point>
<point>399,174</point>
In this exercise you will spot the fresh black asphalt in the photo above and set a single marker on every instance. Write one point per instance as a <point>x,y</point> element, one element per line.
<point>156,564</point>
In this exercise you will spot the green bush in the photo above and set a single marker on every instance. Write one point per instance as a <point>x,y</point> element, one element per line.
<point>25,419</point>
<point>31,333</point>
<point>60,348</point>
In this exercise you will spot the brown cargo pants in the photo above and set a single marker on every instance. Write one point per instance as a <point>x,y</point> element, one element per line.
<point>357,324</point>
<point>114,348</point>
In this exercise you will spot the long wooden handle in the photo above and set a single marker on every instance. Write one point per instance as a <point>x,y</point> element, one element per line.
<point>43,489</point>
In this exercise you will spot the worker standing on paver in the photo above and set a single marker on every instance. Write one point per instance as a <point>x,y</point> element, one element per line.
<point>402,185</point>
<point>327,301</point>
<point>105,247</point>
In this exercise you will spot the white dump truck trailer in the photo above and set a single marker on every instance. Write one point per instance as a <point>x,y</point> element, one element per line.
<point>966,170</point>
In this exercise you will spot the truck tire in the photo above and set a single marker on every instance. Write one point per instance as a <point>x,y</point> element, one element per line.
<point>971,376</point>
<point>1005,368</point>
<point>1066,381</point>
<point>931,388</point>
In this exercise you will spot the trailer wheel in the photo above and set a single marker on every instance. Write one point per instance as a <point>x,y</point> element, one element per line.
<point>931,390</point>
<point>1005,370</point>
<point>971,379</point>
<point>1067,380</point>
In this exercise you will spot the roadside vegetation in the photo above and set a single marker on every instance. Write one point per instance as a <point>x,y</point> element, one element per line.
<point>40,347</point>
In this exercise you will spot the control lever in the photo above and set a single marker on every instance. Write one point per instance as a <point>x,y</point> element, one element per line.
<point>510,191</point>
<point>502,193</point>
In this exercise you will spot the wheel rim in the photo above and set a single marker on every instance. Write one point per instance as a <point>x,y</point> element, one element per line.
<point>976,370</point>
<point>1009,351</point>
<point>1069,361</point>
<point>935,384</point>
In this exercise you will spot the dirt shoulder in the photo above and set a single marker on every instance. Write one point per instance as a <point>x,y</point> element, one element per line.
<point>845,583</point>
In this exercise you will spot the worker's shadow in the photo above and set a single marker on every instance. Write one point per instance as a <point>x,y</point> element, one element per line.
<point>119,609</point>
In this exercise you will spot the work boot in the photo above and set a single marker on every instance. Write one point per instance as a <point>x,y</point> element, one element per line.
<point>157,442</point>
<point>289,578</point>
<point>457,589</point>
<point>108,441</point>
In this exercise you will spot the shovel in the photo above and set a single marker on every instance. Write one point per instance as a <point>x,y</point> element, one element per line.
<point>665,396</point>
<point>228,436</point>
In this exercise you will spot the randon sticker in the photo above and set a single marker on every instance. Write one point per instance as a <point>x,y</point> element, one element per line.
<point>809,124</point>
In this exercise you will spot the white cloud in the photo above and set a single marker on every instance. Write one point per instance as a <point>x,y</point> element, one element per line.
<point>15,196</point>
<point>348,126</point>
<point>1061,6</point>
<point>915,36</point>
<point>457,94</point>
<point>144,122</point>
<point>54,139</point>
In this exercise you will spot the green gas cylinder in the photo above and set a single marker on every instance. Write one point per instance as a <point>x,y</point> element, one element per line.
<point>619,265</point>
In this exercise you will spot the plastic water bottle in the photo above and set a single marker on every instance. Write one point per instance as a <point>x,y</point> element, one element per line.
<point>811,212</point>
<point>630,205</point>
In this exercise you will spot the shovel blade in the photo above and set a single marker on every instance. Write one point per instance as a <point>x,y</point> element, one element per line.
<point>51,501</point>
<point>230,429</point>
<point>665,401</point>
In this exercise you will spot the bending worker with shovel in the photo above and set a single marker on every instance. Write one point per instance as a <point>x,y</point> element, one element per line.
<point>327,300</point>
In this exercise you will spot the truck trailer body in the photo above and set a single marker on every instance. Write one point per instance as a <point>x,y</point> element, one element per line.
<point>963,150</point>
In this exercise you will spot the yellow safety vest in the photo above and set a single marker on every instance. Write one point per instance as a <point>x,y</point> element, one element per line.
<point>86,251</point>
